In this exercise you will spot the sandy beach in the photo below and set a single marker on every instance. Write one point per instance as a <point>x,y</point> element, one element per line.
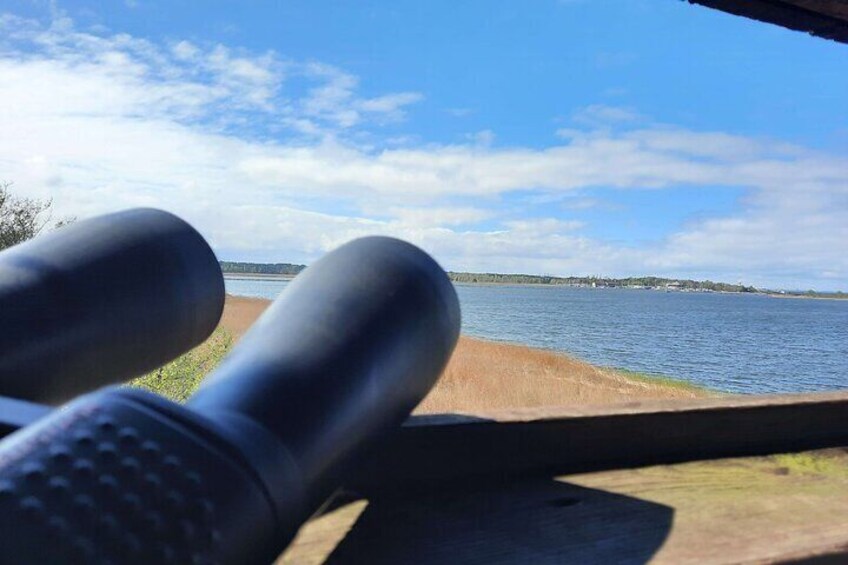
<point>485,375</point>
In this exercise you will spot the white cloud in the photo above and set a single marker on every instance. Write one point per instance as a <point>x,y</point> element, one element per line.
<point>629,160</point>
<point>459,112</point>
<point>438,216</point>
<point>484,137</point>
<point>187,81</point>
<point>335,100</point>
<point>390,104</point>
<point>185,51</point>
<point>602,114</point>
<point>103,122</point>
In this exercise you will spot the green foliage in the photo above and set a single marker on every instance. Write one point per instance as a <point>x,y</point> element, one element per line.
<point>180,378</point>
<point>839,295</point>
<point>497,278</point>
<point>261,268</point>
<point>20,218</point>
<point>830,463</point>
<point>662,380</point>
<point>234,267</point>
<point>23,218</point>
<point>645,282</point>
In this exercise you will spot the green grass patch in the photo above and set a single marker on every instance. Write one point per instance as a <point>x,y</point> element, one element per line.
<point>821,463</point>
<point>662,380</point>
<point>180,378</point>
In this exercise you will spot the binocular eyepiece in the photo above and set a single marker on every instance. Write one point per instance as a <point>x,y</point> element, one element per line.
<point>336,363</point>
<point>101,301</point>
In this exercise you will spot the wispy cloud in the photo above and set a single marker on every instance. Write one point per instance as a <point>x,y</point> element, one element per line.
<point>482,138</point>
<point>602,114</point>
<point>437,216</point>
<point>459,112</point>
<point>334,101</point>
<point>106,121</point>
<point>187,82</point>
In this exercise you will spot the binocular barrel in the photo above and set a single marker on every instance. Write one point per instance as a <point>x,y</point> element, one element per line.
<point>349,349</point>
<point>101,301</point>
<point>339,361</point>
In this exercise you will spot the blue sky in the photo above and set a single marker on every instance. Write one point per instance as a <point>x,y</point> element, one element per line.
<point>564,137</point>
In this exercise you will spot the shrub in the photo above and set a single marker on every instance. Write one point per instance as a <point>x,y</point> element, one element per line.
<point>180,378</point>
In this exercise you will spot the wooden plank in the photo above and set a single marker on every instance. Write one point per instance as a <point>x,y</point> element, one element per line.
<point>832,8</point>
<point>780,508</point>
<point>822,18</point>
<point>784,508</point>
<point>543,442</point>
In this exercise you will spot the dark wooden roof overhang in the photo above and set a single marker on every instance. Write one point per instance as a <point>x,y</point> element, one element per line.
<point>822,18</point>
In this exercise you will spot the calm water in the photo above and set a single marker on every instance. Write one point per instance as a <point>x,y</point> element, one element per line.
<point>730,342</point>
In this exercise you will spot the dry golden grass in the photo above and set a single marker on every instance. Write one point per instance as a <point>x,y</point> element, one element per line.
<point>484,375</point>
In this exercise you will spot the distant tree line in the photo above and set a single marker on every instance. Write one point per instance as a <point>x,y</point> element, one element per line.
<point>237,267</point>
<point>816,294</point>
<point>497,278</point>
<point>683,284</point>
<point>23,218</point>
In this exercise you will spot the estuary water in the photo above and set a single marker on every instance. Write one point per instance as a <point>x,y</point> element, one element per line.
<point>739,343</point>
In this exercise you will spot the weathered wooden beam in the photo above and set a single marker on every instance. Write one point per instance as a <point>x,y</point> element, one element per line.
<point>786,509</point>
<point>546,442</point>
<point>822,18</point>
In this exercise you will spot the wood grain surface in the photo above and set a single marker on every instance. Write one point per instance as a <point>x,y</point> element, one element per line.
<point>512,487</point>
<point>537,442</point>
<point>784,508</point>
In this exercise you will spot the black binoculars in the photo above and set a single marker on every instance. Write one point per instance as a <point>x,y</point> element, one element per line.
<point>119,475</point>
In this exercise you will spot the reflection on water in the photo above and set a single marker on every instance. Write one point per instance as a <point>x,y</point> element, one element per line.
<point>730,342</point>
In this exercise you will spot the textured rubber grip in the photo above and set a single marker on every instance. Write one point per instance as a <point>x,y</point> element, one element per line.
<point>337,363</point>
<point>112,479</point>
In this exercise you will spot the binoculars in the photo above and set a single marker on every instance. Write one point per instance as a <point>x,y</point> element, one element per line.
<point>114,474</point>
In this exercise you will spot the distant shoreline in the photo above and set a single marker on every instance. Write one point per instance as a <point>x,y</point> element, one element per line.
<point>271,277</point>
<point>844,296</point>
<point>258,276</point>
